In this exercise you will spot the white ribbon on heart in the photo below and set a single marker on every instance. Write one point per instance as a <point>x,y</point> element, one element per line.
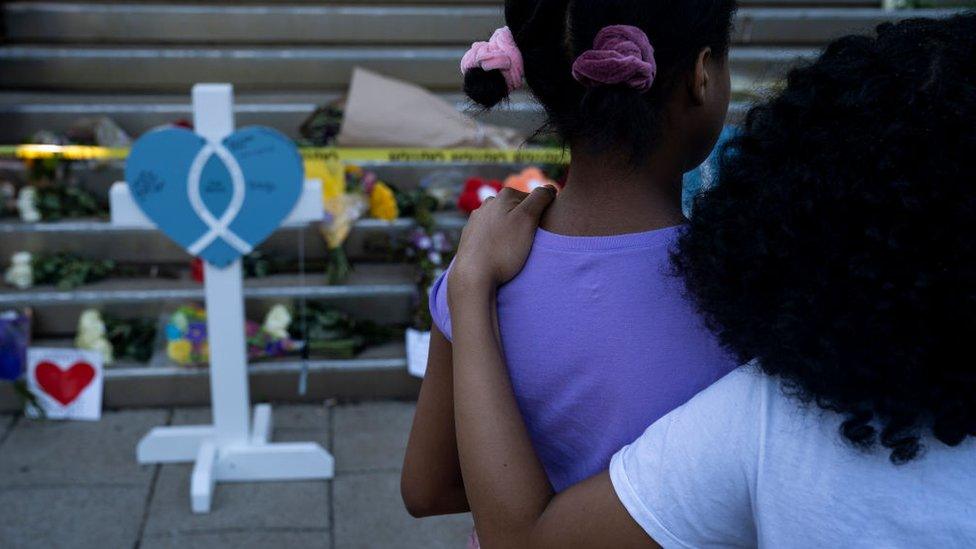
<point>219,228</point>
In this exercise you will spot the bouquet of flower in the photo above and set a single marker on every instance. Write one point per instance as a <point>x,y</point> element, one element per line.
<point>382,198</point>
<point>68,271</point>
<point>187,343</point>
<point>322,127</point>
<point>15,336</point>
<point>332,333</point>
<point>430,251</point>
<point>14,339</point>
<point>56,202</point>
<point>186,336</point>
<point>116,338</point>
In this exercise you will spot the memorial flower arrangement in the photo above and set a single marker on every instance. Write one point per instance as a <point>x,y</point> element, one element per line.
<point>92,335</point>
<point>27,205</point>
<point>383,202</point>
<point>55,202</point>
<point>116,338</point>
<point>186,336</point>
<point>20,273</point>
<point>344,209</point>
<point>358,194</point>
<point>332,333</point>
<point>15,337</point>
<point>322,127</point>
<point>382,197</point>
<point>430,251</point>
<point>187,343</point>
<point>63,270</point>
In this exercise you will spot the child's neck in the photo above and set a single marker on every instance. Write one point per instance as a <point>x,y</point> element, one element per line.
<point>601,199</point>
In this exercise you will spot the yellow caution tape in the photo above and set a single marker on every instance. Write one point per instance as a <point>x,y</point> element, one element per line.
<point>346,155</point>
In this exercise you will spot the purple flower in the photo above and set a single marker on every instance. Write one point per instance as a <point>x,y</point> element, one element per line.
<point>251,329</point>
<point>420,240</point>
<point>14,336</point>
<point>197,332</point>
<point>274,348</point>
<point>441,243</point>
<point>369,181</point>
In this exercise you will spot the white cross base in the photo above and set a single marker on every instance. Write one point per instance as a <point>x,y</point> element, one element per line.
<point>237,447</point>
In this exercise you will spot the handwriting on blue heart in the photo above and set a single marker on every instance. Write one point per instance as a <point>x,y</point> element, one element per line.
<point>216,200</point>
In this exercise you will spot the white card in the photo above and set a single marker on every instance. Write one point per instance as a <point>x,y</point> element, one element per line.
<point>418,347</point>
<point>67,382</point>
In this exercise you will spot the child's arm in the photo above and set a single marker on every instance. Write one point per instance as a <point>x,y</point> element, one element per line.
<point>513,502</point>
<point>431,481</point>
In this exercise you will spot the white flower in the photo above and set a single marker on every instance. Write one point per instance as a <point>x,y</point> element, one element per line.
<point>91,335</point>
<point>20,274</point>
<point>27,205</point>
<point>104,347</point>
<point>435,258</point>
<point>485,192</point>
<point>91,325</point>
<point>276,322</point>
<point>179,320</point>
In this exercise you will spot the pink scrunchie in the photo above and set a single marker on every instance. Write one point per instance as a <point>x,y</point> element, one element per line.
<point>621,54</point>
<point>499,53</point>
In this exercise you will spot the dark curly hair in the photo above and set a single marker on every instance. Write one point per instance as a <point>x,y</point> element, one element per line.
<point>551,34</point>
<point>838,248</point>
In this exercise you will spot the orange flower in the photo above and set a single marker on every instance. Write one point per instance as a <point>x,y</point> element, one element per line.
<point>529,180</point>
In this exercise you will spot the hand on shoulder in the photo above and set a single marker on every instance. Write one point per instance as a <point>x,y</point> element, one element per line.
<point>497,240</point>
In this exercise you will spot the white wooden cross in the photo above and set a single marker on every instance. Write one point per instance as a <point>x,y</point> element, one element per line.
<point>237,447</point>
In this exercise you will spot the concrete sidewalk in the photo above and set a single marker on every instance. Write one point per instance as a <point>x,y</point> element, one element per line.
<point>77,485</point>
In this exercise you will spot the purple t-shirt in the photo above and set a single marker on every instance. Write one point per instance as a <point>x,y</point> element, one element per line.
<point>600,344</point>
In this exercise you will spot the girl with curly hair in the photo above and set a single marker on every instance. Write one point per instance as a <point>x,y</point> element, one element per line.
<point>837,255</point>
<point>600,340</point>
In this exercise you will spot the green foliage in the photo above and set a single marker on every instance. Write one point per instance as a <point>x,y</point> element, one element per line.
<point>322,127</point>
<point>132,339</point>
<point>335,334</point>
<point>67,202</point>
<point>29,398</point>
<point>68,271</point>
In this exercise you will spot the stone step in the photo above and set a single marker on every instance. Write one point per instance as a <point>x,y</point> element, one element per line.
<point>143,24</point>
<point>382,292</point>
<point>378,372</point>
<point>25,113</point>
<point>270,69</point>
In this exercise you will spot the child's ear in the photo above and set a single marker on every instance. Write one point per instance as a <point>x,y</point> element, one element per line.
<point>701,79</point>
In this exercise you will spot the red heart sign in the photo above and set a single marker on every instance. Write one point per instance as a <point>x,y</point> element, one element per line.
<point>64,385</point>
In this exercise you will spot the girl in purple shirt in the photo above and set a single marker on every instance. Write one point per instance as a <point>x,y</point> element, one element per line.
<point>599,338</point>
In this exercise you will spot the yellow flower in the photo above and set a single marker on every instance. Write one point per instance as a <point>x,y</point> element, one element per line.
<point>344,210</point>
<point>354,170</point>
<point>382,202</point>
<point>179,351</point>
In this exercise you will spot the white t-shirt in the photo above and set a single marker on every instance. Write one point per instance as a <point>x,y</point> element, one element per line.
<point>743,465</point>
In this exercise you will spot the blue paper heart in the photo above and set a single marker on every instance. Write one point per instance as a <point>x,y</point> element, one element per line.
<point>211,217</point>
